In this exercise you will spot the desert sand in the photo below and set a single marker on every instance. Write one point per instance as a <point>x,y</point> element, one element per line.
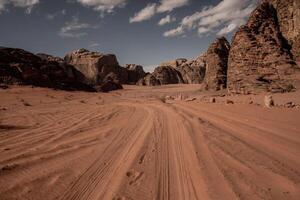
<point>135,144</point>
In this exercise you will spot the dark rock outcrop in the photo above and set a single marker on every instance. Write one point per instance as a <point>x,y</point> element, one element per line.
<point>108,86</point>
<point>18,66</point>
<point>179,71</point>
<point>97,68</point>
<point>259,58</point>
<point>215,60</point>
<point>148,80</point>
<point>162,75</point>
<point>167,75</point>
<point>135,73</point>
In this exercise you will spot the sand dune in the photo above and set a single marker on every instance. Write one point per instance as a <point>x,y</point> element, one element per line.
<point>133,144</point>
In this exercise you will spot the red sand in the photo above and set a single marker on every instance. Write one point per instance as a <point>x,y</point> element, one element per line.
<point>132,144</point>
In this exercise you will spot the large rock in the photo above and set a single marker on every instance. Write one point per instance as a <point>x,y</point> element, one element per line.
<point>162,75</point>
<point>148,80</point>
<point>192,71</point>
<point>259,58</point>
<point>97,68</point>
<point>288,14</point>
<point>215,60</point>
<point>21,67</point>
<point>176,72</point>
<point>167,75</point>
<point>135,73</point>
<point>108,86</point>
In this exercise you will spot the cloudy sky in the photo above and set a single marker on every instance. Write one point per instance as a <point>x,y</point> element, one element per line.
<point>137,31</point>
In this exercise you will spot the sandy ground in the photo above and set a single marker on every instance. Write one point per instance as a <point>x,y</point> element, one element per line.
<point>132,144</point>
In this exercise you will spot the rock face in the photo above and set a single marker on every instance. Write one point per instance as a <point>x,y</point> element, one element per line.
<point>192,71</point>
<point>167,75</point>
<point>135,73</point>
<point>108,86</point>
<point>178,71</point>
<point>216,59</point>
<point>162,75</point>
<point>288,14</point>
<point>21,67</point>
<point>259,58</point>
<point>97,68</point>
<point>148,80</point>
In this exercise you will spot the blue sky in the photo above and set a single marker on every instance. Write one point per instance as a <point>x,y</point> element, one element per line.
<point>137,31</point>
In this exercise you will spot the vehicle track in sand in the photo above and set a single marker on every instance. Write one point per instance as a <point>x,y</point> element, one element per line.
<point>143,148</point>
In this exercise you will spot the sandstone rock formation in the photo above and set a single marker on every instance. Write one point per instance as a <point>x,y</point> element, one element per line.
<point>288,14</point>
<point>21,67</point>
<point>148,80</point>
<point>96,67</point>
<point>216,59</point>
<point>108,86</point>
<point>167,75</point>
<point>176,72</point>
<point>135,73</point>
<point>192,71</point>
<point>259,58</point>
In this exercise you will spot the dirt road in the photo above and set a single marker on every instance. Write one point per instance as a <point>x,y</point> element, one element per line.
<point>132,144</point>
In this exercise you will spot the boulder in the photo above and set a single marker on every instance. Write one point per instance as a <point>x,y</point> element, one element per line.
<point>193,71</point>
<point>135,73</point>
<point>148,80</point>
<point>179,71</point>
<point>216,59</point>
<point>167,75</point>
<point>109,86</point>
<point>96,67</point>
<point>269,102</point>
<point>259,57</point>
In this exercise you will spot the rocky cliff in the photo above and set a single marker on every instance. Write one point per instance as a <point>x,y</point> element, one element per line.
<point>215,60</point>
<point>288,14</point>
<point>260,57</point>
<point>96,67</point>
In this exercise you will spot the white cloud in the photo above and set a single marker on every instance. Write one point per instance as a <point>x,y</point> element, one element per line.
<point>169,5</point>
<point>166,20</point>
<point>174,32</point>
<point>75,29</point>
<point>154,8</point>
<point>202,30</point>
<point>51,16</point>
<point>222,19</point>
<point>27,4</point>
<point>144,14</point>
<point>103,5</point>
<point>93,45</point>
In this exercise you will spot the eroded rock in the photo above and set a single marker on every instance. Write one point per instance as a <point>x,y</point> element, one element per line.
<point>259,58</point>
<point>216,64</point>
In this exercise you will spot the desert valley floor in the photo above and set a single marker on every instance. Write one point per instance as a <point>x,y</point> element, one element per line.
<point>133,144</point>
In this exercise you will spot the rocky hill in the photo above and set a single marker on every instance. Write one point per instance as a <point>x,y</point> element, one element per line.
<point>79,70</point>
<point>261,58</point>
<point>263,55</point>
<point>21,67</point>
